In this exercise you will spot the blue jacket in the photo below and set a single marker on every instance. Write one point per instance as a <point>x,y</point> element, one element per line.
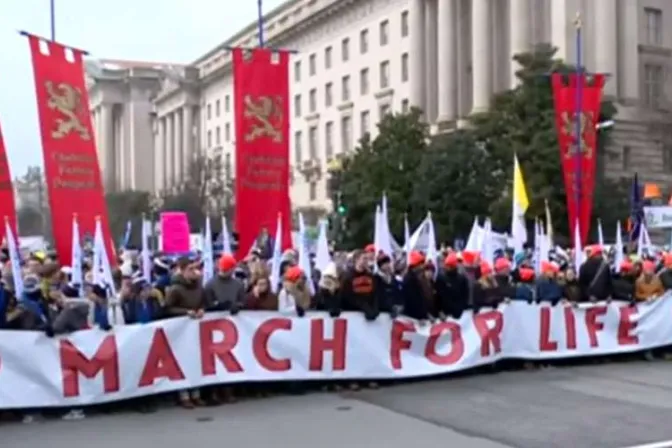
<point>548,290</point>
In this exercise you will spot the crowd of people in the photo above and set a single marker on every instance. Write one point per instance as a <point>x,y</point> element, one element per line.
<point>362,281</point>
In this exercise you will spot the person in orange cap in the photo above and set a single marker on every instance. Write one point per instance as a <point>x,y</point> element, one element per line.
<point>470,258</point>
<point>452,288</point>
<point>525,287</point>
<point>648,286</point>
<point>370,251</point>
<point>595,276</point>
<point>623,282</point>
<point>224,292</point>
<point>486,293</point>
<point>503,278</point>
<point>666,273</point>
<point>294,297</point>
<point>547,288</point>
<point>418,289</point>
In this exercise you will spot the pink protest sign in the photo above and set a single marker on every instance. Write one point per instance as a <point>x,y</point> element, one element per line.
<point>174,232</point>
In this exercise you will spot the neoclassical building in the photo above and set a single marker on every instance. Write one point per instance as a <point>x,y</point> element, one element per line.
<point>357,60</point>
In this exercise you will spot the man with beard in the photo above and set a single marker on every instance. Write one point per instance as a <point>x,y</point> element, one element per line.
<point>358,288</point>
<point>595,276</point>
<point>185,297</point>
<point>452,288</point>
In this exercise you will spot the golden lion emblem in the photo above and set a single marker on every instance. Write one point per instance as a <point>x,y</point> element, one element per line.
<point>67,100</point>
<point>587,124</point>
<point>267,113</point>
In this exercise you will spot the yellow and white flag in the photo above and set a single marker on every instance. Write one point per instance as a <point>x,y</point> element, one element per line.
<point>519,207</point>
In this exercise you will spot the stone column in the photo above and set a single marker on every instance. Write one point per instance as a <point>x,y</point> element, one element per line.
<point>177,148</point>
<point>519,31</point>
<point>481,55</point>
<point>159,163</point>
<point>107,145</point>
<point>628,79</point>
<point>431,57</point>
<point>606,46</point>
<point>447,42</point>
<point>417,53</point>
<point>188,139</point>
<point>168,154</point>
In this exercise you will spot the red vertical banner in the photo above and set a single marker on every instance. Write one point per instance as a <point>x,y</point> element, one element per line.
<point>7,206</point>
<point>578,147</point>
<point>69,149</point>
<point>261,93</point>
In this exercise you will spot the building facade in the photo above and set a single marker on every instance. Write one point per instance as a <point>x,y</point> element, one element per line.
<point>357,60</point>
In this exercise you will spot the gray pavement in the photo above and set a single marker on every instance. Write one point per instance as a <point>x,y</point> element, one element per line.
<point>604,406</point>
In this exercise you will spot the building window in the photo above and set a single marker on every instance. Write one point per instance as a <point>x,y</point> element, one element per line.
<point>384,32</point>
<point>364,41</point>
<point>625,159</point>
<point>329,139</point>
<point>405,106</point>
<point>227,103</point>
<point>217,111</point>
<point>364,123</point>
<point>404,67</point>
<point>346,134</point>
<point>312,142</point>
<point>345,88</point>
<point>383,111</point>
<point>218,136</point>
<point>227,132</point>
<point>384,74</point>
<point>345,49</point>
<point>209,111</point>
<point>209,139</point>
<point>312,193</point>
<point>327,57</point>
<point>312,64</point>
<point>312,99</point>
<point>328,94</point>
<point>654,26</point>
<point>404,24</point>
<point>653,85</point>
<point>298,157</point>
<point>297,105</point>
<point>364,81</point>
<point>297,71</point>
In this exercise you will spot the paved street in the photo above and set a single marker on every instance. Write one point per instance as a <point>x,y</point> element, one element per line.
<point>612,406</point>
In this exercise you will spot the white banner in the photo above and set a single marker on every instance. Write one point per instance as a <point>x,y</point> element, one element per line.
<point>658,217</point>
<point>93,366</point>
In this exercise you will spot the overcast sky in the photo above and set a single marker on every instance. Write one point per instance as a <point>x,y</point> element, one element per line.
<point>163,31</point>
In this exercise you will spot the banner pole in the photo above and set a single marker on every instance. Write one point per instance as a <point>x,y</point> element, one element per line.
<point>578,115</point>
<point>260,22</point>
<point>52,16</point>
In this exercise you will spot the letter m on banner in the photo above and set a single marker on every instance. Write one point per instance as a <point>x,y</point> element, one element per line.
<point>70,158</point>
<point>261,92</point>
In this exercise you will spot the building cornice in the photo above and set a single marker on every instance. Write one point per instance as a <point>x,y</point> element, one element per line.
<point>290,19</point>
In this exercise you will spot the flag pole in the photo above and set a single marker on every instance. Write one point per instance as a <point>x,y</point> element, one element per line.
<point>578,114</point>
<point>52,17</point>
<point>260,22</point>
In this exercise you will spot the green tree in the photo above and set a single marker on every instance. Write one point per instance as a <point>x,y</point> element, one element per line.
<point>124,206</point>
<point>385,164</point>
<point>29,221</point>
<point>522,121</point>
<point>456,180</point>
